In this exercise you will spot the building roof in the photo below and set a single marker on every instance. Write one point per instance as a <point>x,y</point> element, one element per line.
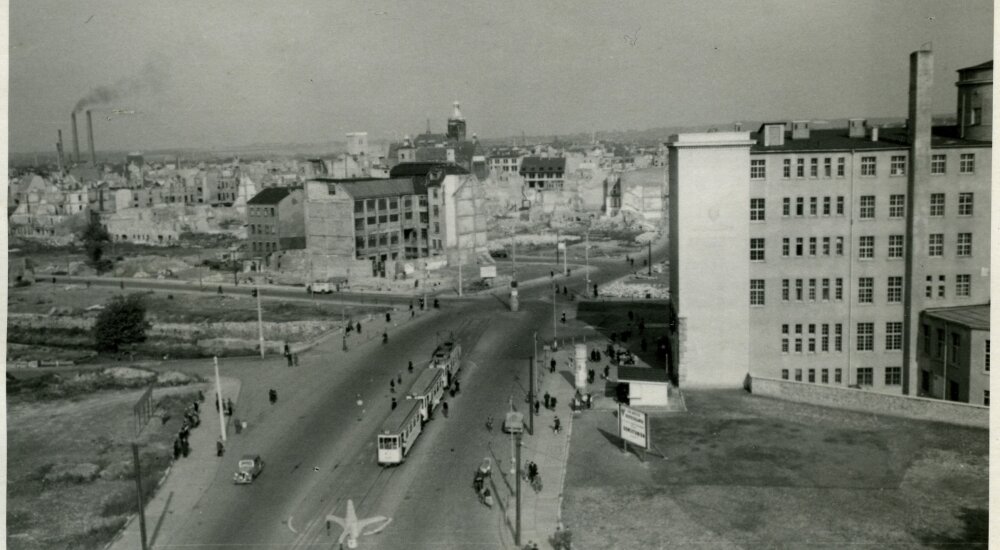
<point>642,374</point>
<point>985,65</point>
<point>543,164</point>
<point>271,195</point>
<point>407,169</point>
<point>976,317</point>
<point>378,188</point>
<point>836,139</point>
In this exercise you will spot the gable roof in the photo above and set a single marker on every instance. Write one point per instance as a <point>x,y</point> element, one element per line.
<point>974,317</point>
<point>271,195</point>
<point>836,139</point>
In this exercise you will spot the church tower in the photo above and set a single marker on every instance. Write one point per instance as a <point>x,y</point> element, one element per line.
<point>456,125</point>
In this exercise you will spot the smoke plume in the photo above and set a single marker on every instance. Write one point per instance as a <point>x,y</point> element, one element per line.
<point>150,79</point>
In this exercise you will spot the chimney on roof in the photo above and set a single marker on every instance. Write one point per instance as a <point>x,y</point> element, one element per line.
<point>856,128</point>
<point>738,127</point>
<point>874,134</point>
<point>76,140</point>
<point>800,129</point>
<point>90,136</point>
<point>59,152</point>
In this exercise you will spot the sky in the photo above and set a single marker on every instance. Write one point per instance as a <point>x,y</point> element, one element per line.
<point>198,74</point>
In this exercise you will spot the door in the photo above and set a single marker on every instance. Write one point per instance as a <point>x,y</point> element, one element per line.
<point>952,390</point>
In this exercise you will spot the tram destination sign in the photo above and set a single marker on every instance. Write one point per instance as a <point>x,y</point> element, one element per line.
<point>633,426</point>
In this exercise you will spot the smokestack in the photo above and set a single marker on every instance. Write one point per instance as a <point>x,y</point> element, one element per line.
<point>59,153</point>
<point>76,141</point>
<point>90,136</point>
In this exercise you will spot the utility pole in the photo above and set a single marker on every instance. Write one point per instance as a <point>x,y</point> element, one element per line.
<point>517,484</point>
<point>649,256</point>
<point>558,237</point>
<point>554,326</point>
<point>459,272</point>
<point>260,319</point>
<point>513,257</point>
<point>586,256</point>
<point>531,396</point>
<point>218,396</point>
<point>138,495</point>
<point>565,267</point>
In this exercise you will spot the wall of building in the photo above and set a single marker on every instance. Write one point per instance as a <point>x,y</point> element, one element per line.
<point>938,366</point>
<point>709,286</point>
<point>329,221</point>
<point>917,408</point>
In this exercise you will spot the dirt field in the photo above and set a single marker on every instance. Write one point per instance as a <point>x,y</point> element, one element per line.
<point>750,472</point>
<point>70,481</point>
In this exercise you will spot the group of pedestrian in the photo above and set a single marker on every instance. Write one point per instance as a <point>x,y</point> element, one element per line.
<point>227,405</point>
<point>550,402</point>
<point>182,444</point>
<point>292,358</point>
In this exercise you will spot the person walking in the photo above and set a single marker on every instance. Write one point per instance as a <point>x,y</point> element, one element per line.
<point>272,395</point>
<point>393,404</point>
<point>385,337</point>
<point>358,327</point>
<point>410,367</point>
<point>547,399</point>
<point>177,448</point>
<point>220,449</point>
<point>392,386</point>
<point>537,404</point>
<point>444,408</point>
<point>552,365</point>
<point>399,379</point>
<point>388,317</point>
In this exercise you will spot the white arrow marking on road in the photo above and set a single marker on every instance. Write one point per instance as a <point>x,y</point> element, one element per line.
<point>290,525</point>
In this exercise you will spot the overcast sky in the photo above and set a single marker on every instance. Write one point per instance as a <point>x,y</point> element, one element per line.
<point>225,73</point>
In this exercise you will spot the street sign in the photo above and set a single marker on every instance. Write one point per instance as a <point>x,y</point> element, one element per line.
<point>561,246</point>
<point>487,271</point>
<point>633,426</point>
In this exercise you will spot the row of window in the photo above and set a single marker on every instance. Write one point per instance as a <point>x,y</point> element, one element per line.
<point>390,203</point>
<point>262,211</point>
<point>866,206</point>
<point>806,342</point>
<point>951,348</point>
<point>825,246</point>
<point>865,376</point>
<point>265,246</point>
<point>261,229</point>
<point>869,166</point>
<point>819,289</point>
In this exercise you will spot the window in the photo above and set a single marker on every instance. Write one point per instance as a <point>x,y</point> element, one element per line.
<point>824,342</point>
<point>359,223</point>
<point>840,167</point>
<point>812,246</point>
<point>756,250</point>
<point>785,246</point>
<point>393,217</point>
<point>963,286</point>
<point>826,206</point>
<point>837,376</point>
<point>826,290</point>
<point>371,220</point>
<point>812,339</point>
<point>866,247</point>
<point>986,398</point>
<point>840,205</point>
<point>756,210</point>
<point>800,204</point>
<point>393,203</point>
<point>784,374</point>
<point>865,376</point>
<point>840,246</point>
<point>370,204</point>
<point>826,246</point>
<point>383,218</point>
<point>956,347</point>
<point>893,336</point>
<point>825,376</point>
<point>812,290</point>
<point>893,376</point>
<point>868,167</point>
<point>894,292</point>
<point>937,204</point>
<point>359,206</point>
<point>866,336</point>
<point>965,204</point>
<point>895,246</point>
<point>941,287</point>
<point>814,167</point>
<point>986,357</point>
<point>838,289</point>
<point>964,248</point>
<point>866,290</point>
<point>372,240</point>
<point>867,211</point>
<point>935,244</point>
<point>784,338</point>
<point>798,246</point>
<point>897,206</point>
<point>938,164</point>
<point>787,169</point>
<point>967,163</point>
<point>812,375</point>
<point>897,165</point>
<point>786,206</point>
<point>798,339</point>
<point>800,168</point>
<point>798,290</point>
<point>925,333</point>
<point>757,169</point>
<point>813,206</point>
<point>756,292</point>
<point>798,375</point>
<point>939,350</point>
<point>785,290</point>
<point>827,167</point>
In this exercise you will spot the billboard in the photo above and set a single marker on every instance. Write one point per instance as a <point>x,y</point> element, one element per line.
<point>633,426</point>
<point>487,271</point>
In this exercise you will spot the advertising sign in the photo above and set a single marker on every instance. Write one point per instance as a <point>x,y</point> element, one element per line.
<point>633,426</point>
<point>561,246</point>
<point>487,271</point>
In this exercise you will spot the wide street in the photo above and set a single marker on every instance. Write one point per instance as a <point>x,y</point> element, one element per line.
<point>319,445</point>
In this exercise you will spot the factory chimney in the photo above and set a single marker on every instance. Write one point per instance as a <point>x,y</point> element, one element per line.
<point>59,153</point>
<point>76,141</point>
<point>90,136</point>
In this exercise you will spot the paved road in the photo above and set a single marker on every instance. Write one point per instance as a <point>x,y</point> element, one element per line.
<point>319,445</point>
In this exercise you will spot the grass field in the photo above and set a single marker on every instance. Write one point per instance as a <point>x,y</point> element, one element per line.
<point>750,472</point>
<point>87,439</point>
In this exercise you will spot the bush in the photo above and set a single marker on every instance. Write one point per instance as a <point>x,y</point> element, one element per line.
<point>121,322</point>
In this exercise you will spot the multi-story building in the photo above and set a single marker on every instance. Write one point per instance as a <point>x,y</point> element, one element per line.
<point>543,173</point>
<point>845,235</point>
<point>275,222</point>
<point>953,354</point>
<point>505,161</point>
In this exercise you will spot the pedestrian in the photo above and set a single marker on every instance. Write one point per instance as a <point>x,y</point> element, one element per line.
<point>385,337</point>
<point>411,305</point>
<point>216,401</point>
<point>388,317</point>
<point>195,405</point>
<point>392,386</point>
<point>220,288</point>
<point>565,291</point>
<point>177,448</point>
<point>393,404</point>
<point>220,449</point>
<point>295,359</point>
<point>185,447</point>
<point>399,378</point>
<point>272,396</point>
<point>552,274</point>
<point>444,408</point>
<point>458,388</point>
<point>358,327</point>
<point>288,350</point>
<point>556,426</point>
<point>536,407</point>
<point>563,319</point>
<point>410,367</point>
<point>552,365</point>
<point>547,397</point>
<point>552,402</point>
<point>229,407</point>
<point>288,357</point>
<point>607,371</point>
<point>201,396</point>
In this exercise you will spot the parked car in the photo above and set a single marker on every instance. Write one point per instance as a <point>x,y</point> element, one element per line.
<point>248,469</point>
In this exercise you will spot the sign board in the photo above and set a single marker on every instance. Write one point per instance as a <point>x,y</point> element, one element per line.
<point>487,271</point>
<point>561,246</point>
<point>633,426</point>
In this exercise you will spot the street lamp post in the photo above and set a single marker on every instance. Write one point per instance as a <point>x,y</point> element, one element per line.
<point>260,319</point>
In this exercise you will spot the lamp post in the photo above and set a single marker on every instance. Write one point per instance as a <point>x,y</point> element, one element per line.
<point>260,319</point>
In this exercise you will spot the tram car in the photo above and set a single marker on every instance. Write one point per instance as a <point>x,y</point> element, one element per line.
<point>399,433</point>
<point>448,357</point>
<point>428,390</point>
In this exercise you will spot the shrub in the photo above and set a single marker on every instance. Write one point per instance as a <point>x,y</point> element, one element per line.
<point>121,322</point>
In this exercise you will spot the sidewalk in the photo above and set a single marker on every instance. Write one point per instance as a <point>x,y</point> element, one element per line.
<point>184,482</point>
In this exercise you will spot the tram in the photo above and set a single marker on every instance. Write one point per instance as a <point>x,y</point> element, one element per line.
<point>427,390</point>
<point>399,433</point>
<point>448,357</point>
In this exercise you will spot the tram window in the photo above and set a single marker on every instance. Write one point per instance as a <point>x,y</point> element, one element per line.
<point>387,443</point>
